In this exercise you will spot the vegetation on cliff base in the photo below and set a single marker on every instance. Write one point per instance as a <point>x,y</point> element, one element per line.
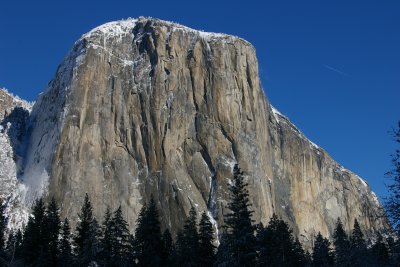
<point>46,241</point>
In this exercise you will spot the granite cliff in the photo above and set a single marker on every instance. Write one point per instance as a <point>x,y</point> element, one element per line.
<point>147,107</point>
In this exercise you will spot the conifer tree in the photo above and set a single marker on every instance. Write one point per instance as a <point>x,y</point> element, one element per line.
<point>179,250</point>
<point>279,245</point>
<point>9,249</point>
<point>206,252</point>
<point>359,256</point>
<point>3,226</point>
<point>262,245</point>
<point>240,238</point>
<point>87,234</point>
<point>167,248</point>
<point>322,253</point>
<point>223,258</point>
<point>147,242</point>
<point>32,245</point>
<point>394,250</point>
<point>93,245</point>
<point>392,203</point>
<point>308,258</point>
<point>106,240</point>
<point>191,240</point>
<point>18,244</point>
<point>298,258</point>
<point>50,235</point>
<point>120,240</point>
<point>342,246</point>
<point>65,258</point>
<point>379,252</point>
<point>187,243</point>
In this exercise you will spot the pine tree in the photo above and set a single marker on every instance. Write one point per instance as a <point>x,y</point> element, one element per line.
<point>359,256</point>
<point>223,254</point>
<point>308,258</point>
<point>179,250</point>
<point>106,240</point>
<point>191,240</point>
<point>93,245</point>
<point>379,252</point>
<point>240,231</point>
<point>87,233</point>
<point>206,252</point>
<point>147,242</point>
<point>280,248</point>
<point>3,227</point>
<point>342,246</point>
<point>322,253</point>
<point>50,235</point>
<point>298,257</point>
<point>32,245</point>
<point>18,244</point>
<point>65,257</point>
<point>168,248</point>
<point>392,203</point>
<point>120,240</point>
<point>261,246</point>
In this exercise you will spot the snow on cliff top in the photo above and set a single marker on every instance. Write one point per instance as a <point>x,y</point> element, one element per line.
<point>124,26</point>
<point>111,29</point>
<point>279,116</point>
<point>17,101</point>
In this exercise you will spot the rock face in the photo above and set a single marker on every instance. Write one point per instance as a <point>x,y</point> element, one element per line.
<point>14,113</point>
<point>143,108</point>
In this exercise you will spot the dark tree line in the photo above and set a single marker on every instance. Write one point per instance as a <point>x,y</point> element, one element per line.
<point>392,202</point>
<point>48,241</point>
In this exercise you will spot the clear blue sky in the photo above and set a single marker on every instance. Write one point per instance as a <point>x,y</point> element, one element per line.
<point>332,66</point>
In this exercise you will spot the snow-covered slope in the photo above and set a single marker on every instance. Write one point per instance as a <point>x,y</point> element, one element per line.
<point>14,113</point>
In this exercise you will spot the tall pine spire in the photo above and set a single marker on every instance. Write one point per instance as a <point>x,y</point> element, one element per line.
<point>85,240</point>
<point>322,254</point>
<point>239,229</point>
<point>65,257</point>
<point>206,246</point>
<point>120,240</point>
<point>342,245</point>
<point>147,243</point>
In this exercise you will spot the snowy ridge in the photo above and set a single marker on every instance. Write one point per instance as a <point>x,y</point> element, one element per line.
<point>112,29</point>
<point>9,183</point>
<point>125,26</point>
<point>17,101</point>
<point>279,117</point>
<point>10,132</point>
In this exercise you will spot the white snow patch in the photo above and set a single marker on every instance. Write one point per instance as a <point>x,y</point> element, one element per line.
<point>375,198</point>
<point>228,162</point>
<point>276,113</point>
<point>362,181</point>
<point>112,29</point>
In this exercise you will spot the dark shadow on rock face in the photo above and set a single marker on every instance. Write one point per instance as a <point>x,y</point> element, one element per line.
<point>15,125</point>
